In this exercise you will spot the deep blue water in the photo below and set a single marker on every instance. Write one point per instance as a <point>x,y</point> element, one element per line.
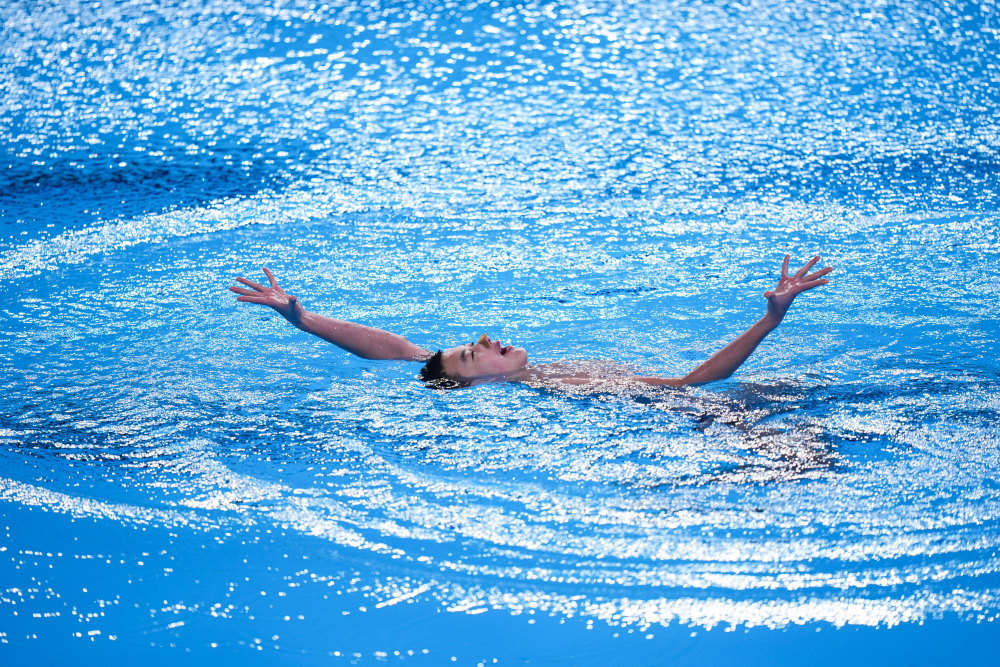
<point>187,478</point>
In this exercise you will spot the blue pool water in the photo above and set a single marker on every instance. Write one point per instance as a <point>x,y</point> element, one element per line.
<point>187,478</point>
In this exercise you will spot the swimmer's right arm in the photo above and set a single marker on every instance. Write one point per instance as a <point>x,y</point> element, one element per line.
<point>364,341</point>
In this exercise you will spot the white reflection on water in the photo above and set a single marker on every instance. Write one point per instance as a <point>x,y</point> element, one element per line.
<point>680,507</point>
<point>611,183</point>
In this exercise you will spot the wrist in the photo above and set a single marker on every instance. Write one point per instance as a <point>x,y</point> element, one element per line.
<point>297,316</point>
<point>771,320</point>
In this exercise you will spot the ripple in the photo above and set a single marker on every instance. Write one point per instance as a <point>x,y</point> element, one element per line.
<point>616,181</point>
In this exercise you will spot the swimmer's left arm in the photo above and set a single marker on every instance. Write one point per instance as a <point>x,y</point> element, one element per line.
<point>724,363</point>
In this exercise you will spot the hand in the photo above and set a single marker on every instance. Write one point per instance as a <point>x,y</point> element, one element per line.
<point>287,305</point>
<point>780,298</point>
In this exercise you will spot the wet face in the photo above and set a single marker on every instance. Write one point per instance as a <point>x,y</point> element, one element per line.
<point>484,358</point>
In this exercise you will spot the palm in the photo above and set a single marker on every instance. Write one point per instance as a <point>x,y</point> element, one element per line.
<point>273,296</point>
<point>781,297</point>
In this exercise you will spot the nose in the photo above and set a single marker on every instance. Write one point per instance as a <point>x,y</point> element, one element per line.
<point>484,340</point>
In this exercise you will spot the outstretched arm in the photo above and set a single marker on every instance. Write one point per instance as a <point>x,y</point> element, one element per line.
<point>358,339</point>
<point>724,363</point>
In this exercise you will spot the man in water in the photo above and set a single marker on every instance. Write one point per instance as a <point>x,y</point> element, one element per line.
<point>488,360</point>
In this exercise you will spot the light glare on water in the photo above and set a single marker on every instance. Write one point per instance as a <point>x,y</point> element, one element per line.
<point>613,181</point>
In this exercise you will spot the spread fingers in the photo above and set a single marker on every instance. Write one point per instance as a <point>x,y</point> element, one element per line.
<point>270,277</point>
<point>818,274</point>
<point>250,283</point>
<point>817,283</point>
<point>805,269</point>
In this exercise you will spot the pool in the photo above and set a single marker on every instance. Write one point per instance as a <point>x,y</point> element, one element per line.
<point>183,477</point>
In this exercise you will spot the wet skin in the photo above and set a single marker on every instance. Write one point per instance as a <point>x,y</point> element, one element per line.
<point>482,359</point>
<point>489,360</point>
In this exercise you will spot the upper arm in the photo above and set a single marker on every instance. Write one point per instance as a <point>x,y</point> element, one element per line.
<point>362,340</point>
<point>389,346</point>
<point>411,352</point>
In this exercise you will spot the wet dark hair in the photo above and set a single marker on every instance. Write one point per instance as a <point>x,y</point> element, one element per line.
<point>433,377</point>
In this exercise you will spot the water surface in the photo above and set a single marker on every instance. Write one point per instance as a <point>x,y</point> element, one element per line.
<point>591,181</point>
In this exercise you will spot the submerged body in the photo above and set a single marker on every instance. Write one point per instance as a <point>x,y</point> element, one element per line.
<point>488,360</point>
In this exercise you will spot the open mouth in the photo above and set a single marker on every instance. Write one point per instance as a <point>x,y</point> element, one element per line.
<point>505,350</point>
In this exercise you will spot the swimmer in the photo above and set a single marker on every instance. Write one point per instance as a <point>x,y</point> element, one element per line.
<point>487,360</point>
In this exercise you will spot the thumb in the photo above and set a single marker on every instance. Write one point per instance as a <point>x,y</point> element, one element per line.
<point>768,294</point>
